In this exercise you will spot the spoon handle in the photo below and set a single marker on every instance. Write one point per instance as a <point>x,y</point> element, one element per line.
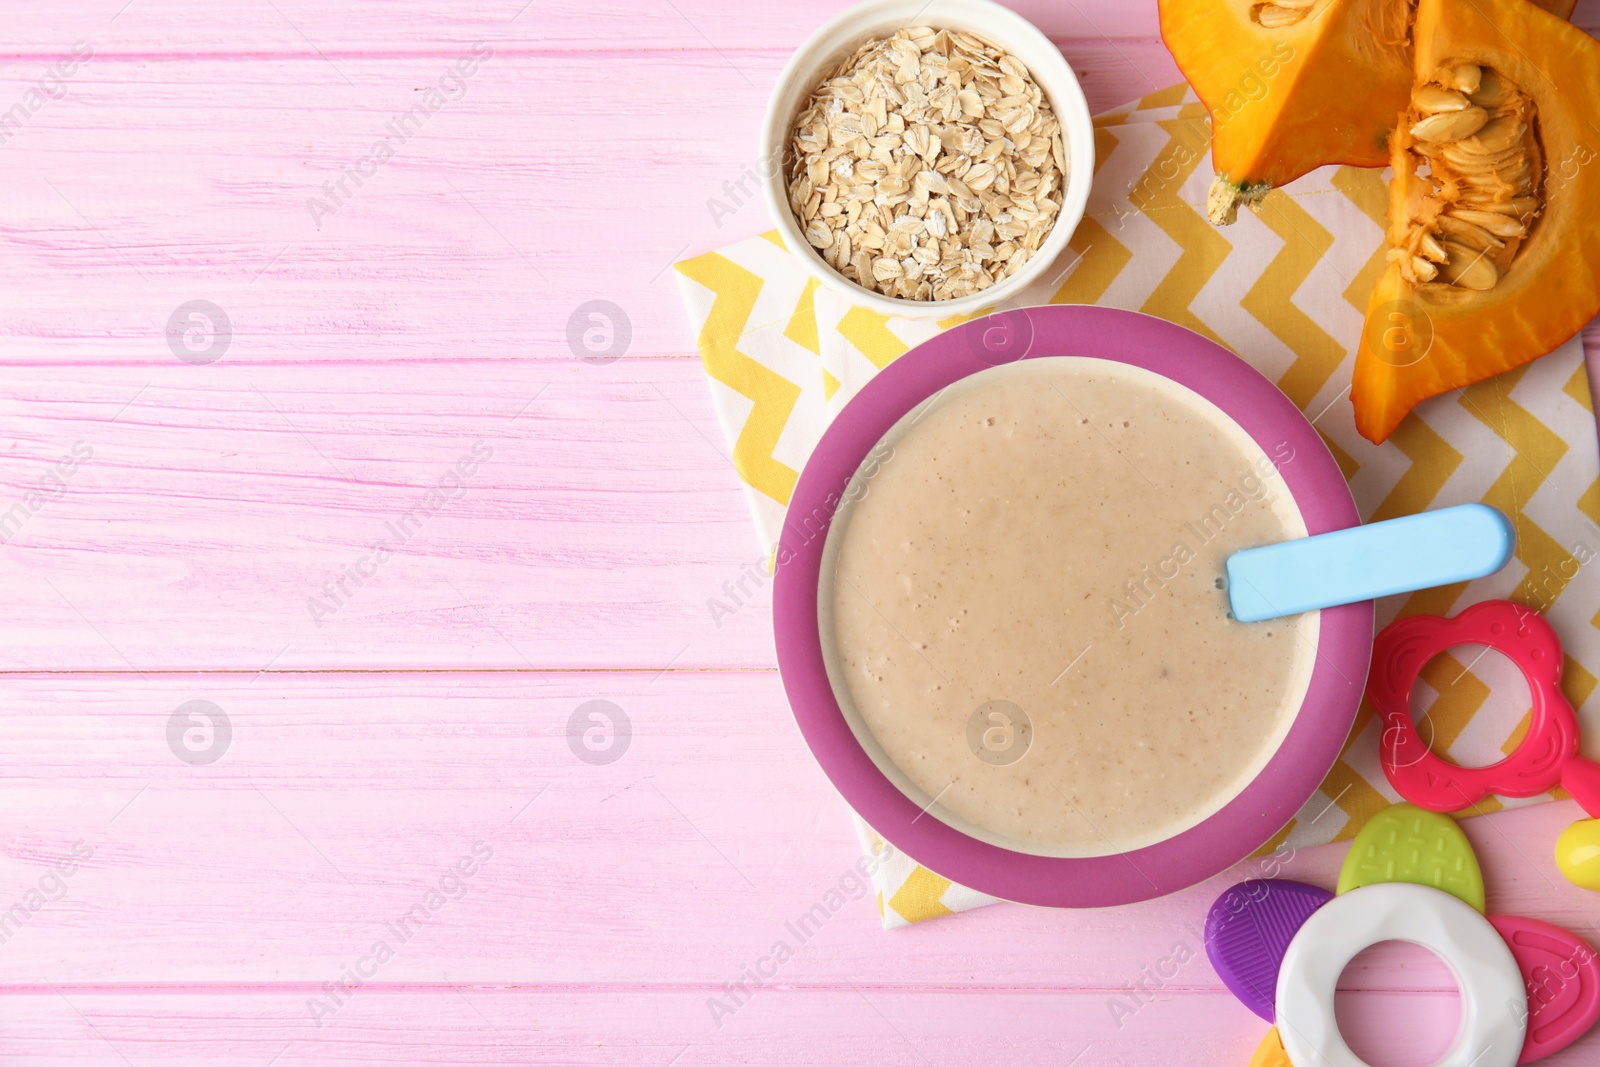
<point>1366,562</point>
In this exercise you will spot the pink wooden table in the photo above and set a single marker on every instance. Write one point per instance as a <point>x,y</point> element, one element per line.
<point>394,767</point>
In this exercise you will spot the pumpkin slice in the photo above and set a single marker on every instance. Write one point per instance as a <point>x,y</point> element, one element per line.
<point>1292,85</point>
<point>1494,212</point>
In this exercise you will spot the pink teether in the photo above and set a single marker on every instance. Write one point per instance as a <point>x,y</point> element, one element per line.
<point>1563,979</point>
<point>1548,755</point>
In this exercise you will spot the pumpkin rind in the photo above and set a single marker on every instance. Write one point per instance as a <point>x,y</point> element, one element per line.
<point>1457,337</point>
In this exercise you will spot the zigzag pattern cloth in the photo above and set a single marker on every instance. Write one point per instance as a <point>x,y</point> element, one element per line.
<point>1285,289</point>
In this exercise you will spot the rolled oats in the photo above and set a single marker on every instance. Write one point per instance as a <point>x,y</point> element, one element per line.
<point>928,166</point>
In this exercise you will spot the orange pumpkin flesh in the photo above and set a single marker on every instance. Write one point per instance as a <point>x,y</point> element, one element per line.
<point>1424,338</point>
<point>1285,100</point>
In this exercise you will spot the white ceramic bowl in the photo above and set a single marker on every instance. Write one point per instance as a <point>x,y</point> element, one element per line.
<point>835,41</point>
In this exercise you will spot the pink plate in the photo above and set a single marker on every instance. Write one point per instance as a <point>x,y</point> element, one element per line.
<point>1313,480</point>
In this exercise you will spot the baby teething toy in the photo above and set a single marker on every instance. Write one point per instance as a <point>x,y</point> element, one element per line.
<point>1527,988</point>
<point>1405,844</point>
<point>1248,930</point>
<point>1548,755</point>
<point>1559,969</point>
<point>1578,853</point>
<point>1493,997</point>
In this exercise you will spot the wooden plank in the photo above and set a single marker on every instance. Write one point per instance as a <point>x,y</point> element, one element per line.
<point>341,799</point>
<point>479,239</point>
<point>298,28</point>
<point>225,514</point>
<point>687,858</point>
<point>862,1025</point>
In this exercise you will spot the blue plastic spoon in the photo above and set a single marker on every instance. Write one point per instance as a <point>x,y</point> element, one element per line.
<point>1366,562</point>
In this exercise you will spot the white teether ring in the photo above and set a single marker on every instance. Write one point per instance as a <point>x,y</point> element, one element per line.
<point>1494,1004</point>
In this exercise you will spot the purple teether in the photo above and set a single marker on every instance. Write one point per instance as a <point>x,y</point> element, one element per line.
<point>1248,930</point>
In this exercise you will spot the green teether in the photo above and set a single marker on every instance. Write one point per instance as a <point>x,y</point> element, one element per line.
<point>1407,844</point>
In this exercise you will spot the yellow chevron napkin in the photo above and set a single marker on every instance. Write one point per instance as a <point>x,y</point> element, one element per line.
<point>1286,290</point>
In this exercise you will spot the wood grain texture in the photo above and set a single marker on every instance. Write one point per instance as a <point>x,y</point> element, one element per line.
<point>244,511</point>
<point>343,797</point>
<point>191,28</point>
<point>376,745</point>
<point>863,1025</point>
<point>477,240</point>
<point>195,28</point>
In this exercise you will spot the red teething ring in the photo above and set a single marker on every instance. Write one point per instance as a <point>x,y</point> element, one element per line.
<point>1548,755</point>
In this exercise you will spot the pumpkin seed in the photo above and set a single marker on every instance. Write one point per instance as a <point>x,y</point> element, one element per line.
<point>1519,177</point>
<point>1496,136</point>
<point>1469,269</point>
<point>1491,221</point>
<point>1424,271</point>
<point>1465,233</point>
<point>1492,90</point>
<point>1518,207</point>
<point>1274,17</point>
<point>1474,163</point>
<point>1512,173</point>
<point>1429,246</point>
<point>1467,77</point>
<point>1434,99</point>
<point>1450,125</point>
<point>1485,197</point>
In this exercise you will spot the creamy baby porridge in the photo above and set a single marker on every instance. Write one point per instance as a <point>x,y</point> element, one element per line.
<point>1022,601</point>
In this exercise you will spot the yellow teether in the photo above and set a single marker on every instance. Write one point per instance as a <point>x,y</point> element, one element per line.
<point>1578,853</point>
<point>1404,843</point>
<point>1270,1052</point>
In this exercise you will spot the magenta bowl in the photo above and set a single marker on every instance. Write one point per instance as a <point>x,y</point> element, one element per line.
<point>1313,480</point>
